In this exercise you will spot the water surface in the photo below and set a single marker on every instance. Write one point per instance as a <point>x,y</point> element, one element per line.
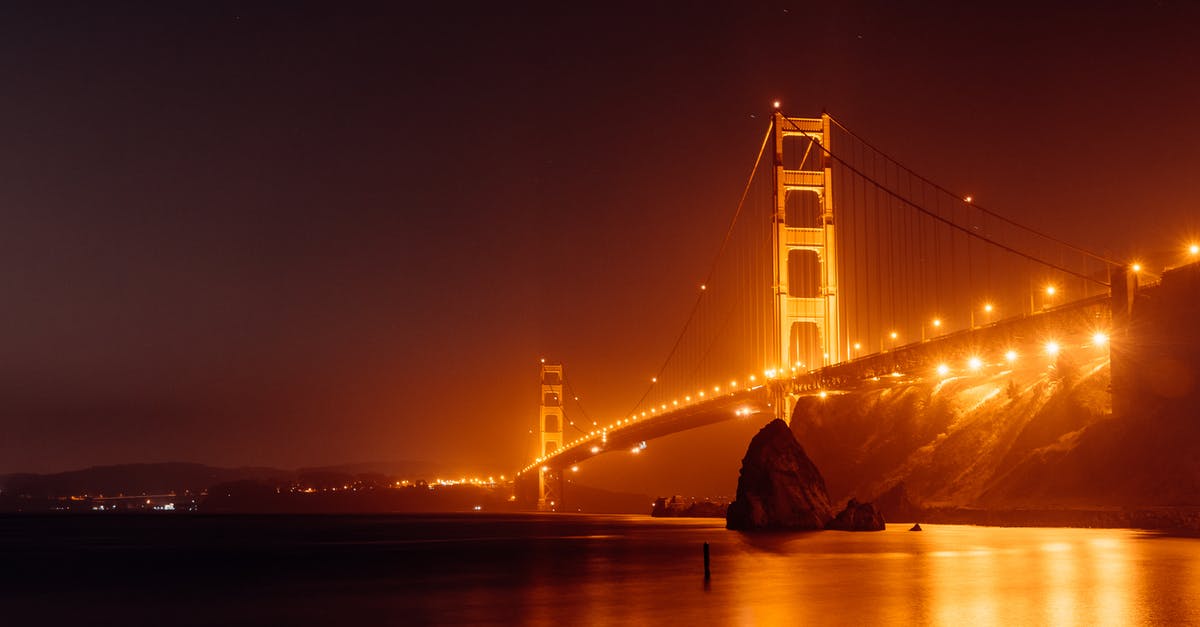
<point>579,569</point>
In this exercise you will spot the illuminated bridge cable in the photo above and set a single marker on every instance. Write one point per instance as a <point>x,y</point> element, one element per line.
<point>938,217</point>
<point>575,397</point>
<point>712,269</point>
<point>952,194</point>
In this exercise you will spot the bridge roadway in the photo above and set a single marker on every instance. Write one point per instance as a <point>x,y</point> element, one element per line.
<point>987,343</point>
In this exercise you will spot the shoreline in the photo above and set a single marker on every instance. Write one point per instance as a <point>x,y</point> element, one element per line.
<point>1184,519</point>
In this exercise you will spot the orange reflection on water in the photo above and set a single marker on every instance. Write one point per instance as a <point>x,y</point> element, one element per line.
<point>949,575</point>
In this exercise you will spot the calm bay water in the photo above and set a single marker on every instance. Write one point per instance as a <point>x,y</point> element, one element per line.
<point>578,569</point>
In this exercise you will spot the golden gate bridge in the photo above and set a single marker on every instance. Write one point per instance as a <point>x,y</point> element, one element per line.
<point>841,265</point>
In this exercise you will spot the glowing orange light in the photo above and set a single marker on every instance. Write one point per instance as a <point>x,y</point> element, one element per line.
<point>1099,338</point>
<point>776,104</point>
<point>895,335</point>
<point>1011,356</point>
<point>574,468</point>
<point>937,322</point>
<point>968,199</point>
<point>988,308</point>
<point>703,287</point>
<point>654,379</point>
<point>1050,290</point>
<point>1052,348</point>
<point>1194,249</point>
<point>857,346</point>
<point>975,363</point>
<point>823,394</point>
<point>943,370</point>
<point>1136,267</point>
<point>595,449</point>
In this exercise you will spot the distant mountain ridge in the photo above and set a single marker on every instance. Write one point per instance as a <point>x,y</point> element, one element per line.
<point>180,477</point>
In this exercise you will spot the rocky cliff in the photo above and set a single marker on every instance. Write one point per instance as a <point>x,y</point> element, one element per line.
<point>1039,433</point>
<point>779,487</point>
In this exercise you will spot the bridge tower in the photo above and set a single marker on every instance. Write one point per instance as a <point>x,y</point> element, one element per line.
<point>550,433</point>
<point>805,270</point>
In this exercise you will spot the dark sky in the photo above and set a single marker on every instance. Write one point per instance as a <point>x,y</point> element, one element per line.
<point>323,233</point>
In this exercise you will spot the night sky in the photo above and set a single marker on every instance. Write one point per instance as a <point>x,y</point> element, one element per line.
<point>314,234</point>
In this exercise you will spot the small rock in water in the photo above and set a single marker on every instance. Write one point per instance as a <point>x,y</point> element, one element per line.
<point>857,517</point>
<point>916,527</point>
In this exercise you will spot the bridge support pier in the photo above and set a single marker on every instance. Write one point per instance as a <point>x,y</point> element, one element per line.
<point>551,484</point>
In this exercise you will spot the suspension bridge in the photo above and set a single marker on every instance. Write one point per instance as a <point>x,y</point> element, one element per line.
<point>840,267</point>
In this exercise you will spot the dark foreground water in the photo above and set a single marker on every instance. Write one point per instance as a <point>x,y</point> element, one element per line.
<point>565,569</point>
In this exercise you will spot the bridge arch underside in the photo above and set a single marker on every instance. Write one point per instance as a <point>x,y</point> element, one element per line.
<point>756,401</point>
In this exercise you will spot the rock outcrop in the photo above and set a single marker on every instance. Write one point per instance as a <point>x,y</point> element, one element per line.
<point>779,487</point>
<point>677,507</point>
<point>897,505</point>
<point>857,517</point>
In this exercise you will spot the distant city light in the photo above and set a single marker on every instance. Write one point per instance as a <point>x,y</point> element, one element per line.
<point>857,346</point>
<point>654,379</point>
<point>1050,290</point>
<point>988,308</point>
<point>574,468</point>
<point>895,335</point>
<point>943,370</point>
<point>1052,348</point>
<point>823,394</point>
<point>595,449</point>
<point>937,322</point>
<point>975,363</point>
<point>776,104</point>
<point>968,199</point>
<point>1010,356</point>
<point>1136,267</point>
<point>1099,338</point>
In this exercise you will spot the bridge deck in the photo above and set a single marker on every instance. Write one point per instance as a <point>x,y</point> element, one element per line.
<point>987,342</point>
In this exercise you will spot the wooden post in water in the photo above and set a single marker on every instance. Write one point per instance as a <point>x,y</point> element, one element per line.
<point>707,573</point>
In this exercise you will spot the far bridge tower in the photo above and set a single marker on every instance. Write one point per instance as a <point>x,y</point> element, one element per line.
<point>550,433</point>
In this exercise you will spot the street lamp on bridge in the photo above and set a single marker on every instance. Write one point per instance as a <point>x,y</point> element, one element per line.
<point>987,314</point>
<point>894,336</point>
<point>937,326</point>
<point>1048,300</point>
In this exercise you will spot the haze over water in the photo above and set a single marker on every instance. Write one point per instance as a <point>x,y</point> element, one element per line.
<point>580,569</point>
